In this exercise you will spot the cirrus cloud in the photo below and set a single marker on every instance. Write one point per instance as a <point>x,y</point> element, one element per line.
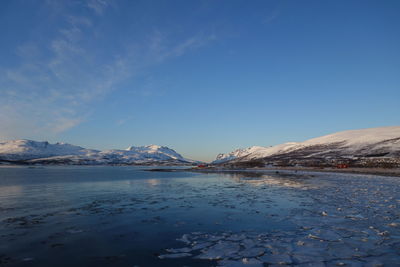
<point>58,78</point>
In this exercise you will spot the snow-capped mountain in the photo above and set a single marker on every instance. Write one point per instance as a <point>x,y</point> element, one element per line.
<point>238,153</point>
<point>364,143</point>
<point>28,151</point>
<point>144,154</point>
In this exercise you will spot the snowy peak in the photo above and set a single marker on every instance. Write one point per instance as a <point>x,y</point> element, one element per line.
<point>151,151</point>
<point>155,147</point>
<point>238,153</point>
<point>28,150</point>
<point>149,147</point>
<point>255,152</point>
<point>355,137</point>
<point>352,143</point>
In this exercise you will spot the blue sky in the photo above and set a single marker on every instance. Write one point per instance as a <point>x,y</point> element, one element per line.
<point>202,77</point>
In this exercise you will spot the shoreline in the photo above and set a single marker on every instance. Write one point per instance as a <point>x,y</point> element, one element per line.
<point>395,172</point>
<point>368,171</point>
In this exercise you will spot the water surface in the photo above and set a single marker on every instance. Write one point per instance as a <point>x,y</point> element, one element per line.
<point>124,215</point>
<point>128,216</point>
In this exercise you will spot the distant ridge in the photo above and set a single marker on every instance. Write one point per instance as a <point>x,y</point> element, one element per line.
<point>34,152</point>
<point>371,147</point>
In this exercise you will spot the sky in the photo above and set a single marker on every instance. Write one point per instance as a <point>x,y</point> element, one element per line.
<point>201,77</point>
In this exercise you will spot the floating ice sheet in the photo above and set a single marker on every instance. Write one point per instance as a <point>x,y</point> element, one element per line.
<point>354,221</point>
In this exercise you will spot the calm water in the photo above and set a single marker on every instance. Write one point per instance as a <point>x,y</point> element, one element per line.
<point>126,216</point>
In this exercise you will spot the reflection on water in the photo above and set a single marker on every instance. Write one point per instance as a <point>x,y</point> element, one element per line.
<point>153,182</point>
<point>123,216</point>
<point>10,191</point>
<point>276,179</point>
<point>353,220</point>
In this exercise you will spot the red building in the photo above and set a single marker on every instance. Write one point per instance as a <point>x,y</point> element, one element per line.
<point>342,166</point>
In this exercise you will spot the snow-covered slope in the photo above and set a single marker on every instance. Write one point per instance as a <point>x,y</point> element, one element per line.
<point>241,152</point>
<point>28,149</point>
<point>42,152</point>
<point>255,152</point>
<point>358,138</point>
<point>354,143</point>
<point>143,154</point>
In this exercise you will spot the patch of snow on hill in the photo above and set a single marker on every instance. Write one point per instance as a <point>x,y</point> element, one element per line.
<point>61,152</point>
<point>241,152</point>
<point>151,152</point>
<point>365,141</point>
<point>28,149</point>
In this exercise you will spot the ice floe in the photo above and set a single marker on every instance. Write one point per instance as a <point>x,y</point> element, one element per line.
<point>352,222</point>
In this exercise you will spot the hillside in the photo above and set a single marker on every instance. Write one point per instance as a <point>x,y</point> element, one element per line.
<point>34,152</point>
<point>366,147</point>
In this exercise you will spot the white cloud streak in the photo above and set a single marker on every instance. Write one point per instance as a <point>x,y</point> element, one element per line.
<point>98,6</point>
<point>53,88</point>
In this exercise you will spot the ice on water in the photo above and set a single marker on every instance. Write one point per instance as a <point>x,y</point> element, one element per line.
<point>352,220</point>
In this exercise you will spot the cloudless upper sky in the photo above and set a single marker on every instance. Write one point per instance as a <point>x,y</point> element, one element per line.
<point>201,77</point>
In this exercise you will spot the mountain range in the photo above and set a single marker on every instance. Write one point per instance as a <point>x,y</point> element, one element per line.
<point>34,152</point>
<point>373,147</point>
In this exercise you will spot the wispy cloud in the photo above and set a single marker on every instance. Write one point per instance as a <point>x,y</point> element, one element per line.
<point>58,79</point>
<point>162,49</point>
<point>98,6</point>
<point>273,15</point>
<point>50,90</point>
<point>123,121</point>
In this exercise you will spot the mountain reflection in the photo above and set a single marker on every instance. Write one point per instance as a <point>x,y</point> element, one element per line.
<point>275,179</point>
<point>10,191</point>
<point>153,182</point>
